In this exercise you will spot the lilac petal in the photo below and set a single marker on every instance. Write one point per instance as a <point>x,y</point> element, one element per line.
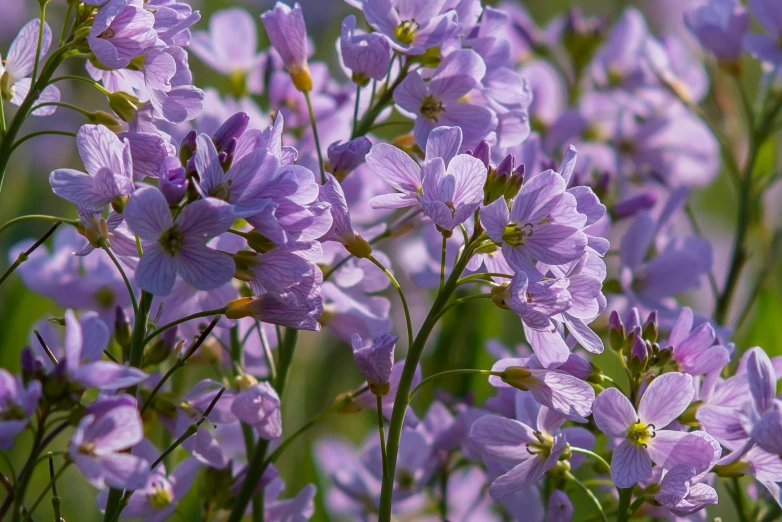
<point>584,335</point>
<point>537,198</point>
<point>183,476</point>
<point>74,341</point>
<point>560,509</point>
<point>156,272</point>
<point>674,486</point>
<point>666,398</point>
<point>697,341</point>
<point>677,448</point>
<point>9,430</point>
<point>636,241</point>
<point>568,163</point>
<point>49,94</point>
<point>202,267</point>
<point>21,56</point>
<point>76,187</point>
<point>502,438</point>
<point>108,375</point>
<point>116,430</point>
<point>767,432</point>
<point>522,475</point>
<point>549,421</point>
<point>147,214</point>
<point>475,121</point>
<point>583,290</point>
<point>613,413</point>
<point>630,464</point>
<point>494,218</point>
<point>470,176</point>
<point>682,327</point>
<point>410,94</point>
<point>444,142</point>
<point>588,203</point>
<point>208,165</point>
<point>724,424</point>
<point>123,470</point>
<point>549,347</point>
<point>556,244</point>
<point>458,74</point>
<point>395,167</point>
<point>714,358</point>
<point>762,378</point>
<point>205,218</point>
<point>563,393</point>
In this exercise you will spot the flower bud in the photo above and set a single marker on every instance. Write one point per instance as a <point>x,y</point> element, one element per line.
<point>632,318</point>
<point>482,152</point>
<point>581,37</point>
<point>616,331</point>
<point>634,204</point>
<point>516,377</point>
<point>515,182</point>
<point>118,203</point>
<point>187,146</point>
<point>595,375</point>
<point>665,356</point>
<point>231,129</point>
<point>172,180</point>
<point>651,328</point>
<point>343,158</point>
<point>359,247</point>
<point>244,381</point>
<point>639,355</point>
<point>106,119</point>
<point>124,105</point>
<point>635,333</point>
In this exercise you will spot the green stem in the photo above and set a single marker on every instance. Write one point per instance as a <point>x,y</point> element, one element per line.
<point>481,277</point>
<point>315,136</point>
<point>381,428</point>
<point>606,465</point>
<point>27,472</point>
<point>402,298</point>
<point>589,494</point>
<point>81,79</point>
<point>55,219</point>
<point>285,358</point>
<point>460,371</point>
<point>65,24</point>
<point>636,505</point>
<point>406,380</point>
<point>442,262</point>
<point>355,107</point>
<point>2,117</point>
<point>105,246</point>
<point>40,42</point>
<point>462,300</point>
<point>26,254</point>
<point>625,496</point>
<point>64,105</point>
<point>369,117</point>
<point>40,133</point>
<point>206,313</point>
<point>51,485</point>
<point>738,499</point>
<point>267,352</point>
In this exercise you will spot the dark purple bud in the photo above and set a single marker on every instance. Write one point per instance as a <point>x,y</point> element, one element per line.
<point>634,204</point>
<point>482,152</point>
<point>632,335</point>
<point>515,182</point>
<point>651,328</point>
<point>28,364</point>
<point>173,180</point>
<point>507,166</point>
<point>232,128</point>
<point>616,331</point>
<point>188,146</point>
<point>639,355</point>
<point>343,158</point>
<point>632,318</point>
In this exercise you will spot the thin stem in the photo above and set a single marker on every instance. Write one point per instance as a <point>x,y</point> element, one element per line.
<point>45,347</point>
<point>355,107</point>
<point>83,80</point>
<point>445,373</point>
<point>105,246</point>
<point>2,117</point>
<point>26,254</point>
<point>41,133</point>
<point>625,496</point>
<point>462,300</point>
<point>738,499</point>
<point>64,105</point>
<point>481,277</point>
<point>51,485</point>
<point>65,24</point>
<point>636,505</point>
<point>589,494</point>
<point>442,262</point>
<point>401,293</point>
<point>40,43</point>
<point>55,219</point>
<point>267,351</point>
<point>315,136</point>
<point>206,313</point>
<point>606,465</point>
<point>381,428</point>
<point>179,363</point>
<point>385,97</point>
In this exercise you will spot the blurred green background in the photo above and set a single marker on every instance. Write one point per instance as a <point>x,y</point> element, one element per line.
<point>323,367</point>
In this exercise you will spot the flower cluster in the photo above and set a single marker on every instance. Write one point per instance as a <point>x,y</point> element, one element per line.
<point>459,153</point>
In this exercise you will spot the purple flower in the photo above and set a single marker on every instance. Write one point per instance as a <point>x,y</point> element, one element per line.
<point>85,340</point>
<point>147,150</point>
<point>345,157</point>
<point>644,439</point>
<point>122,30</point>
<point>412,27</point>
<point>288,35</point>
<point>349,311</point>
<point>532,450</point>
<point>288,273</point>
<point>683,495</point>
<point>17,405</point>
<point>367,56</point>
<point>342,227</point>
<point>267,308</point>
<point>259,406</point>
<point>535,302</point>
<point>16,69</point>
<point>765,46</point>
<point>557,390</point>
<point>174,247</point>
<point>694,350</point>
<point>719,26</point>
<point>96,229</point>
<point>229,47</point>
<point>440,102</point>
<point>109,168</point>
<point>375,360</point>
<point>157,500</point>
<point>560,508</point>
<point>97,447</point>
<point>539,225</point>
<point>172,180</point>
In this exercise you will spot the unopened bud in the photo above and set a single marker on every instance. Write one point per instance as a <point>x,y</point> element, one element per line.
<point>106,119</point>
<point>515,182</point>
<point>158,351</point>
<point>639,355</point>
<point>665,356</point>
<point>231,128</point>
<point>516,377</point>
<point>651,328</point>
<point>118,203</point>
<point>359,247</point>
<point>616,332</point>
<point>482,152</point>
<point>124,105</point>
<point>187,146</point>
<point>634,204</point>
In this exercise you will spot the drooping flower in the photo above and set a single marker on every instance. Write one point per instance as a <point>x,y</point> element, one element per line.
<point>109,166</point>
<point>375,361</point>
<point>345,157</point>
<point>288,35</point>
<point>535,302</point>
<point>18,402</point>
<point>681,494</point>
<point>439,102</point>
<point>719,26</point>
<point>97,447</point>
<point>122,30</point>
<point>342,228</point>
<point>367,56</point>
<point>16,69</point>
<point>644,438</point>
<point>259,406</point>
<point>174,247</point>
<point>267,308</point>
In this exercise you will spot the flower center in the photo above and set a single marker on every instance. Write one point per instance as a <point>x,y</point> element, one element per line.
<point>160,497</point>
<point>11,411</point>
<point>542,447</point>
<point>107,34</point>
<point>88,448</point>
<point>514,233</point>
<point>222,191</point>
<point>640,433</point>
<point>172,240</point>
<point>405,32</point>
<point>431,108</point>
<point>405,479</point>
